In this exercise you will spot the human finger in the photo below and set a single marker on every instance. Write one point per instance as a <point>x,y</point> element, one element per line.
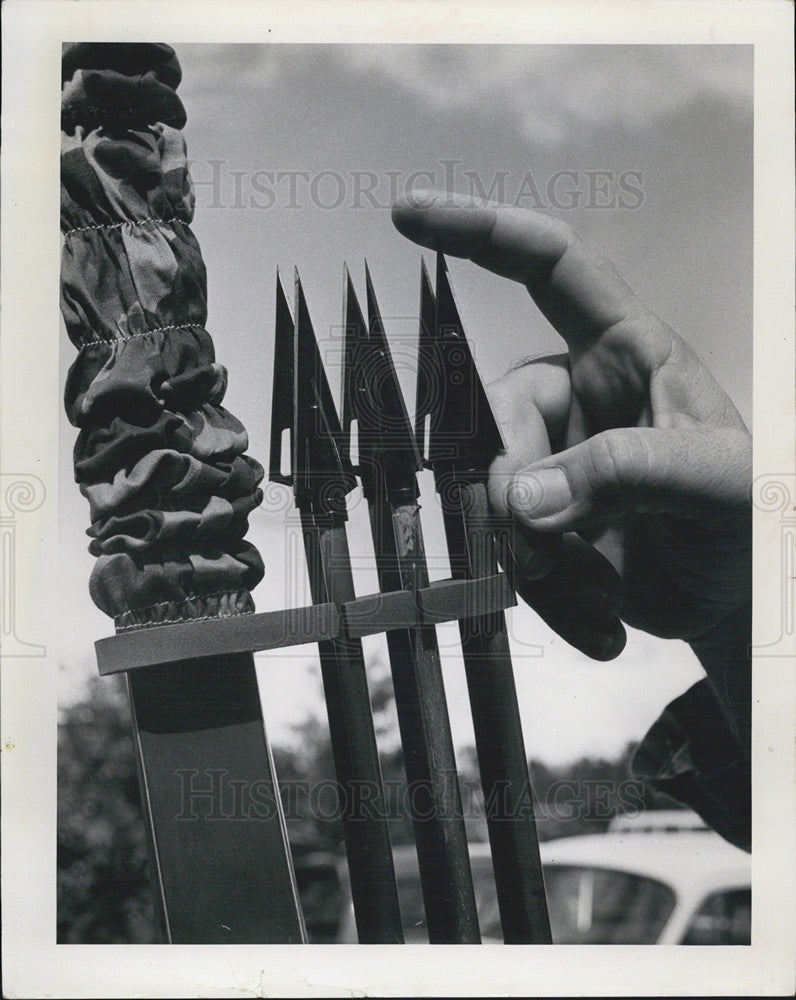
<point>581,599</point>
<point>530,406</point>
<point>578,291</point>
<point>696,472</point>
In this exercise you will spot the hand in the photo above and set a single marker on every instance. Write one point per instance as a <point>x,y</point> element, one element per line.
<point>626,440</point>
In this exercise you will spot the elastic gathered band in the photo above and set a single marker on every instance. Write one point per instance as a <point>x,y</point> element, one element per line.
<point>120,225</point>
<point>177,621</point>
<point>141,333</point>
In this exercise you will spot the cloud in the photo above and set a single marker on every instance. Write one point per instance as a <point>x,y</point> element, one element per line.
<point>554,89</point>
<point>210,68</point>
<point>550,91</point>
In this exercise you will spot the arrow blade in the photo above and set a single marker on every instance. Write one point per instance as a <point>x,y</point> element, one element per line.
<point>321,466</point>
<point>428,373</point>
<point>356,336</point>
<point>464,432</point>
<point>282,391</point>
<point>398,444</point>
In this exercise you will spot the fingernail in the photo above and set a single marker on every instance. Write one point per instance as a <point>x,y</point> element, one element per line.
<point>613,642</point>
<point>409,219</point>
<point>534,553</point>
<point>420,198</point>
<point>539,494</point>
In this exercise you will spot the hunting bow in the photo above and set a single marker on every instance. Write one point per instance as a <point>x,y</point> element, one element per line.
<point>162,465</point>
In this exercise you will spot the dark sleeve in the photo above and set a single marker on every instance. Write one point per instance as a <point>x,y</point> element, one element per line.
<point>692,754</point>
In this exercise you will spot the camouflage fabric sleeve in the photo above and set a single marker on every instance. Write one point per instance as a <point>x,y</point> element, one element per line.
<point>160,461</point>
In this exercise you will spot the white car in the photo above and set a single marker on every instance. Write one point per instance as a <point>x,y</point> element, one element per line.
<point>658,878</point>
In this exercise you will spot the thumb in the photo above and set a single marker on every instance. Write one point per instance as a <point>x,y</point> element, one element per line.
<point>694,472</point>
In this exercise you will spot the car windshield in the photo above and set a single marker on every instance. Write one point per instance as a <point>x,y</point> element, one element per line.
<point>598,906</point>
<point>587,905</point>
<point>413,913</point>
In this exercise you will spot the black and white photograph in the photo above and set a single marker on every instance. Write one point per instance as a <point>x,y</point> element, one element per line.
<point>398,490</point>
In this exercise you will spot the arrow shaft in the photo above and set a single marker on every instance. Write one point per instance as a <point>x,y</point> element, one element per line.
<point>364,812</point>
<point>498,730</point>
<point>429,759</point>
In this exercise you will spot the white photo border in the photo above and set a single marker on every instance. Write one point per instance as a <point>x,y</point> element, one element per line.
<point>33,964</point>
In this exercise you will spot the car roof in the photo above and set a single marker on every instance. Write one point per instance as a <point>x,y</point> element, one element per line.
<point>685,859</point>
<point>657,821</point>
<point>677,858</point>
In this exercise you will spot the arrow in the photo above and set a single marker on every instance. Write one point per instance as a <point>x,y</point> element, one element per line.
<point>464,438</point>
<point>463,432</point>
<point>321,476</point>
<point>389,461</point>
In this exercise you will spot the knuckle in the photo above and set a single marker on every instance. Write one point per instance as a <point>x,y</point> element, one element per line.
<point>619,458</point>
<point>565,232</point>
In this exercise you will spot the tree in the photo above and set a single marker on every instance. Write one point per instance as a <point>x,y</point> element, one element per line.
<point>104,893</point>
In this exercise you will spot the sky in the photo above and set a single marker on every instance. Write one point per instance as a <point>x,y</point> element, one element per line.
<point>296,152</point>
